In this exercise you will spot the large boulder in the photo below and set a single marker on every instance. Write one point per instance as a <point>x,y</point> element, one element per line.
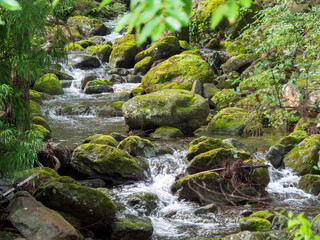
<point>164,48</point>
<point>49,83</point>
<point>103,51</point>
<point>83,61</point>
<point>35,221</point>
<point>101,139</point>
<point>98,86</point>
<point>137,146</point>
<point>88,205</point>
<point>310,183</point>
<point>303,157</point>
<point>179,71</point>
<point>105,162</point>
<point>88,26</point>
<point>173,107</point>
<point>123,52</point>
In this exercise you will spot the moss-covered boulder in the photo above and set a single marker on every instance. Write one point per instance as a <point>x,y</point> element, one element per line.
<point>46,133</point>
<point>49,83</point>
<point>83,61</point>
<point>137,91</point>
<point>123,52</point>
<point>172,107</point>
<point>73,47</point>
<point>259,175</point>
<point>239,63</point>
<point>105,162</point>
<point>86,79</point>
<point>166,132</point>
<point>35,96</point>
<point>303,157</point>
<point>86,204</point>
<point>102,51</point>
<point>204,144</point>
<point>142,202</point>
<point>304,124</point>
<point>208,187</point>
<point>225,97</point>
<point>41,121</point>
<point>137,146</point>
<point>98,86</point>
<point>88,26</point>
<point>310,183</point>
<point>229,120</point>
<point>254,224</point>
<point>293,139</point>
<point>261,214</point>
<point>86,43</point>
<point>46,174</point>
<point>133,228</point>
<point>276,154</point>
<point>61,75</point>
<point>101,139</point>
<point>215,159</point>
<point>113,109</point>
<point>179,71</point>
<point>164,48</point>
<point>35,109</point>
<point>143,65</point>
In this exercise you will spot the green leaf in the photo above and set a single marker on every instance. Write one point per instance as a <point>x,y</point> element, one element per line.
<point>148,28</point>
<point>1,22</point>
<point>173,23</point>
<point>245,3</point>
<point>218,16</point>
<point>12,5</point>
<point>103,3</point>
<point>122,22</point>
<point>54,3</point>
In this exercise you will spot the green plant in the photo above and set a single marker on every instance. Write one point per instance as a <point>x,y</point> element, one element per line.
<point>304,231</point>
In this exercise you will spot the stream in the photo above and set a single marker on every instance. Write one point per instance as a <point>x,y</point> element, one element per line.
<point>173,218</point>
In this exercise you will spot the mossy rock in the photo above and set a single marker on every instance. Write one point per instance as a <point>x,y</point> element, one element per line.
<point>98,86</point>
<point>74,110</point>
<point>259,176</point>
<point>102,51</point>
<point>293,139</point>
<point>50,84</point>
<point>215,159</point>
<point>254,224</point>
<point>41,121</point>
<point>233,48</point>
<point>73,47</point>
<point>46,133</point>
<point>261,214</point>
<point>304,124</point>
<point>35,96</point>
<point>86,204</point>
<point>86,43</point>
<point>143,202</point>
<point>315,225</point>
<point>61,75</point>
<point>172,107</point>
<point>137,91</point>
<point>46,175</point>
<point>84,61</point>
<point>123,52</point>
<point>209,89</point>
<point>310,183</point>
<point>101,139</point>
<point>143,66</point>
<point>177,72</point>
<point>113,109</point>
<point>164,48</point>
<point>303,157</point>
<point>137,146</point>
<point>213,44</point>
<point>228,121</point>
<point>35,109</point>
<point>166,132</point>
<point>88,26</point>
<point>108,163</point>
<point>239,63</point>
<point>185,45</point>
<point>204,144</point>
<point>229,80</point>
<point>225,97</point>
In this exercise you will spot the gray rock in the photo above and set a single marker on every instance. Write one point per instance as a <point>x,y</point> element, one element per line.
<point>116,97</point>
<point>88,26</point>
<point>37,222</point>
<point>134,79</point>
<point>61,153</point>
<point>239,63</point>
<point>86,62</point>
<point>119,71</point>
<point>209,89</point>
<point>210,208</point>
<point>276,154</point>
<point>98,86</point>
<point>115,78</point>
<point>197,87</point>
<point>142,202</point>
<point>93,183</point>
<point>87,79</point>
<point>66,83</point>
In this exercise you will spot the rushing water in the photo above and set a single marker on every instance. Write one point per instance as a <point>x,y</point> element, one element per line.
<point>173,218</point>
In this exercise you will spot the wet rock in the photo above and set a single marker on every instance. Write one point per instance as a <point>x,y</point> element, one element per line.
<point>209,89</point>
<point>49,83</point>
<point>215,159</point>
<point>115,78</point>
<point>134,79</point>
<point>276,154</point>
<point>196,87</point>
<point>98,86</point>
<point>88,205</point>
<point>113,109</point>
<point>254,224</point>
<point>137,91</point>
<point>61,75</point>
<point>119,137</point>
<point>116,97</point>
<point>248,235</point>
<point>166,132</point>
<point>119,71</point>
<point>176,108</point>
<point>215,61</point>
<point>239,63</point>
<point>86,43</point>
<point>310,183</point>
<point>87,79</point>
<point>88,26</point>
<point>86,62</point>
<point>303,157</point>
<point>74,110</point>
<point>210,208</point>
<point>96,39</point>
<point>293,139</point>
<point>124,52</point>
<point>143,66</point>
<point>103,52</point>
<point>137,146</point>
<point>137,132</point>
<point>179,71</point>
<point>164,48</point>
<point>66,83</point>
<point>228,121</point>
<point>133,228</point>
<point>234,142</point>
<point>93,183</point>
<point>143,202</point>
<point>35,221</point>
<point>102,139</point>
<point>61,153</point>
<point>108,163</point>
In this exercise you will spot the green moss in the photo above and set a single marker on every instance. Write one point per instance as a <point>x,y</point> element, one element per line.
<point>233,48</point>
<point>166,132</point>
<point>259,176</point>
<point>136,146</point>
<point>143,66</point>
<point>256,82</point>
<point>50,84</point>
<point>203,176</point>
<point>35,96</point>
<point>138,91</point>
<point>179,71</point>
<point>225,97</point>
<point>41,121</point>
<point>254,224</point>
<point>35,108</point>
<point>107,43</point>
<point>185,45</point>
<point>310,183</point>
<point>205,144</point>
<point>73,47</point>
<point>261,214</point>
<point>102,51</point>
<point>228,121</point>
<point>293,139</point>
<point>303,157</point>
<point>86,43</point>
<point>46,174</point>
<point>303,124</point>
<point>46,134</point>
<point>102,139</point>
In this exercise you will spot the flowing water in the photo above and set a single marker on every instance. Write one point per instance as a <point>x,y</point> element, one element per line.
<point>173,218</point>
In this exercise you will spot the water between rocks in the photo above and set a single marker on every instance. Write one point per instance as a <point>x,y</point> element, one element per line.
<point>173,218</point>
